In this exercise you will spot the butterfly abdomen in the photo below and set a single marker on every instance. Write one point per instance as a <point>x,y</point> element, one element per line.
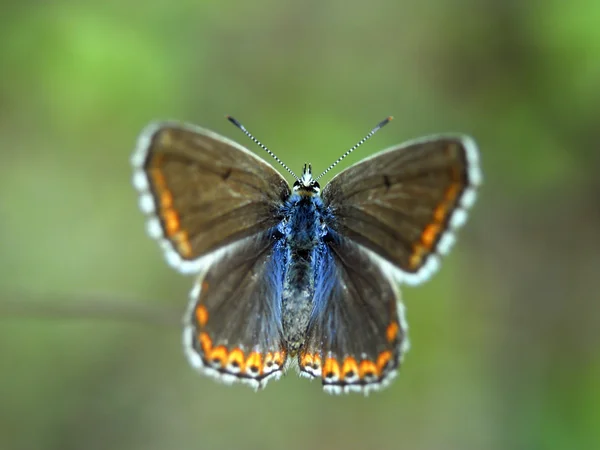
<point>301,230</point>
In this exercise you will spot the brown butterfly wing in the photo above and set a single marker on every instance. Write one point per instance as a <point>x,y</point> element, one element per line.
<point>357,334</point>
<point>233,328</point>
<point>403,203</point>
<point>202,192</point>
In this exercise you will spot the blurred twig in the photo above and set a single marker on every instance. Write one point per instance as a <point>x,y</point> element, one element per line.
<point>86,307</point>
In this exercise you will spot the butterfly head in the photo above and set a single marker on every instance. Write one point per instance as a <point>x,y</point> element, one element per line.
<point>306,185</point>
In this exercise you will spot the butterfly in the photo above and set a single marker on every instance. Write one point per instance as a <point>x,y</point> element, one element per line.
<point>296,275</point>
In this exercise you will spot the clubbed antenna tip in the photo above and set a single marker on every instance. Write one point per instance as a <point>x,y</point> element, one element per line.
<point>358,144</point>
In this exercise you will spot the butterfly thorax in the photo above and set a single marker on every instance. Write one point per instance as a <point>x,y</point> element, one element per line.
<point>302,233</point>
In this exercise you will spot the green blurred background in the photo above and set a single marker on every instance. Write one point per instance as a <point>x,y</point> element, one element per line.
<point>505,350</point>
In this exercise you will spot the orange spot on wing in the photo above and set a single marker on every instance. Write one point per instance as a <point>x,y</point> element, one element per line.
<point>430,234</point>
<point>254,363</point>
<point>218,355</point>
<point>382,360</point>
<point>392,332</point>
<point>158,178</point>
<point>350,367</point>
<point>440,213</point>
<point>417,256</point>
<point>312,360</point>
<point>316,361</point>
<point>205,343</point>
<point>237,358</point>
<point>367,368</point>
<point>201,315</point>
<point>269,360</point>
<point>279,357</point>
<point>331,368</point>
<point>183,243</point>
<point>166,199</point>
<point>171,220</point>
<point>306,360</point>
<point>452,192</point>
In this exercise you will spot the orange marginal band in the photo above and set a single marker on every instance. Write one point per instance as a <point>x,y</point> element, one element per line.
<point>170,217</point>
<point>366,370</point>
<point>432,232</point>
<point>392,332</point>
<point>221,356</point>
<point>201,315</point>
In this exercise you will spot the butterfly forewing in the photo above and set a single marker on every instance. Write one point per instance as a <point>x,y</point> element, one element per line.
<point>233,326</point>
<point>202,192</point>
<point>357,334</point>
<point>403,202</point>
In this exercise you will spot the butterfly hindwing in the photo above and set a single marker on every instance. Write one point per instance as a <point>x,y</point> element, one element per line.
<point>357,334</point>
<point>403,203</point>
<point>202,191</point>
<point>233,325</point>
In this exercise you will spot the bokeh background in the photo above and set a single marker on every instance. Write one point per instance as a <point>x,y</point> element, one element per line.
<point>505,338</point>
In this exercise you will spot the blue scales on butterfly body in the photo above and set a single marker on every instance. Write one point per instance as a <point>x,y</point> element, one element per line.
<point>302,232</point>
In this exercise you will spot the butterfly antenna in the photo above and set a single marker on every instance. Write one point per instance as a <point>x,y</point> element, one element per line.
<point>358,144</point>
<point>261,145</point>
